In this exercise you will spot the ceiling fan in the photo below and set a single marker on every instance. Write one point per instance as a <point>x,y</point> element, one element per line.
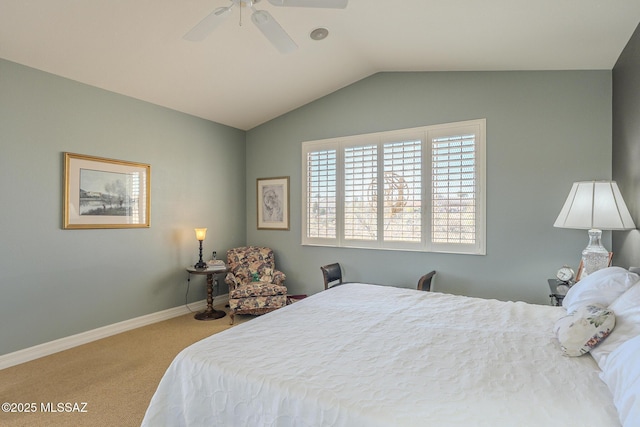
<point>262,19</point>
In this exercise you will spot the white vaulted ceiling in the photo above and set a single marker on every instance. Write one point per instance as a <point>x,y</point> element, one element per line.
<point>236,77</point>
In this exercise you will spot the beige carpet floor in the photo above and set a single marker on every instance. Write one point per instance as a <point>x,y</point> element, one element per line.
<point>112,379</point>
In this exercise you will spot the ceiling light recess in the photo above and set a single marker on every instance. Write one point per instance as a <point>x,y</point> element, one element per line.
<point>320,33</point>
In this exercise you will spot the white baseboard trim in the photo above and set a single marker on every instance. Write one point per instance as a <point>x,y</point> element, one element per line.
<point>41,350</point>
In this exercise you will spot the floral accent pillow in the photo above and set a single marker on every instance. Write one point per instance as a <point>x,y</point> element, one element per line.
<point>583,329</point>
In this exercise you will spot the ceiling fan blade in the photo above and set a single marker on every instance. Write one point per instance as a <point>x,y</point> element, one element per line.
<point>207,25</point>
<point>329,4</point>
<point>273,31</point>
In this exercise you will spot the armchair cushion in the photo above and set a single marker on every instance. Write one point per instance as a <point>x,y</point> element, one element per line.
<point>257,305</point>
<point>257,289</point>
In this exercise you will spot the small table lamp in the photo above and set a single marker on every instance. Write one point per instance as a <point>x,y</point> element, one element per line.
<point>201,233</point>
<point>595,206</point>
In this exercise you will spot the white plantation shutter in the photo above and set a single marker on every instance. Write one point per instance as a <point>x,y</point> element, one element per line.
<point>403,191</point>
<point>360,209</point>
<point>453,205</point>
<point>414,189</point>
<point>321,194</point>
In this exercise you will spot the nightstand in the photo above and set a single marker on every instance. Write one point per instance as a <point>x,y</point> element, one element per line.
<point>209,313</point>
<point>557,295</point>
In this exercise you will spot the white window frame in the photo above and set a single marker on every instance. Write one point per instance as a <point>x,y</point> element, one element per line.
<point>425,134</point>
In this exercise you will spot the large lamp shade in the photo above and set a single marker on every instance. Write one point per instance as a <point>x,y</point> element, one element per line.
<point>595,204</point>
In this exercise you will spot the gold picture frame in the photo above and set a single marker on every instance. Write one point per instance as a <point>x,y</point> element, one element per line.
<point>272,202</point>
<point>105,193</point>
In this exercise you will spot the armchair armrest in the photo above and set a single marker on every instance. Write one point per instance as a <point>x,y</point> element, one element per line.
<point>278,277</point>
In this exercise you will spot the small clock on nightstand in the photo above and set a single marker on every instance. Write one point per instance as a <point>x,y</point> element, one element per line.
<point>565,274</point>
<point>561,284</point>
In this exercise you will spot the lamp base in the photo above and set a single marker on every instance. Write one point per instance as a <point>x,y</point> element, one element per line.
<point>200,265</point>
<point>595,256</point>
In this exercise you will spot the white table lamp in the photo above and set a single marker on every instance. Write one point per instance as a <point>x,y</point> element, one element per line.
<point>595,206</point>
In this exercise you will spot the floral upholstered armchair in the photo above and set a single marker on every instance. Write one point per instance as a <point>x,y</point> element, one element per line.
<point>255,286</point>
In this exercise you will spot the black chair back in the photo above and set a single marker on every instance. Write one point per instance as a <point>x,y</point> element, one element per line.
<point>424,284</point>
<point>331,273</point>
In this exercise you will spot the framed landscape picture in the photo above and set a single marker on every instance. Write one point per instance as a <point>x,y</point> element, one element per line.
<point>105,193</point>
<point>273,203</point>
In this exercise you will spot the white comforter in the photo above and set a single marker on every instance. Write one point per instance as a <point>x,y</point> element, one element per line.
<point>366,355</point>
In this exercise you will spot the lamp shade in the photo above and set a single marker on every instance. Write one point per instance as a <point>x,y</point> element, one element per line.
<point>595,205</point>
<point>201,233</point>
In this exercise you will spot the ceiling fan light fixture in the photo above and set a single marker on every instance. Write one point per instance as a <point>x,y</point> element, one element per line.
<point>248,3</point>
<point>319,33</point>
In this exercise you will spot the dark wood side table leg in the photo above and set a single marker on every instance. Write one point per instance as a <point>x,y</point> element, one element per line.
<point>209,313</point>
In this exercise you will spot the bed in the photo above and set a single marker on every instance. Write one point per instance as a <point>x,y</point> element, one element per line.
<point>368,355</point>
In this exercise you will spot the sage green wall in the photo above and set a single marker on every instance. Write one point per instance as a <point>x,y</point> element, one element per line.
<point>54,282</point>
<point>626,147</point>
<point>545,130</point>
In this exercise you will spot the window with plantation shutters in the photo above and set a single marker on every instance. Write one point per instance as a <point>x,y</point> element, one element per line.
<point>413,189</point>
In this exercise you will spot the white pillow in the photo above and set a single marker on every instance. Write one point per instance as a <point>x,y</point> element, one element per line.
<point>583,329</point>
<point>627,310</point>
<point>621,373</point>
<point>601,287</point>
